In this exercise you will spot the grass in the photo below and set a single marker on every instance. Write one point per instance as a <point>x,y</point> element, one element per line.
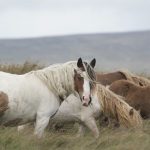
<point>110,139</point>
<point>20,68</point>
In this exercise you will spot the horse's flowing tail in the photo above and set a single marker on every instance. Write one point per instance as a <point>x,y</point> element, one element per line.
<point>114,106</point>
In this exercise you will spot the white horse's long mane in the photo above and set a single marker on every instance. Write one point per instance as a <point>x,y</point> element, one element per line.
<point>59,78</point>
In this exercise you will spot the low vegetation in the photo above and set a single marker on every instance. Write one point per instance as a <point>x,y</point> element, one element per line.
<point>20,68</point>
<point>110,138</point>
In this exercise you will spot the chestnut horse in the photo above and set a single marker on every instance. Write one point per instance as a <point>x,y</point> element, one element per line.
<point>108,78</point>
<point>136,96</point>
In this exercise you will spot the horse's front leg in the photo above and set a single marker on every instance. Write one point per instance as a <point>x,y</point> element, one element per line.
<point>41,123</point>
<point>91,124</point>
<point>46,110</point>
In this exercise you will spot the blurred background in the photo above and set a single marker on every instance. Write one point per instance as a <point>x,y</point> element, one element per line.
<point>116,32</point>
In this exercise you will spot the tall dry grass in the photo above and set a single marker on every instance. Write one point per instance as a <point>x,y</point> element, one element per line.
<point>27,66</point>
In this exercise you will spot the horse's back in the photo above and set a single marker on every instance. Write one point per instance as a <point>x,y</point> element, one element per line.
<point>8,75</point>
<point>9,82</point>
<point>109,78</point>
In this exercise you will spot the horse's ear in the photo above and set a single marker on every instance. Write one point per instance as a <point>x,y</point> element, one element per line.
<point>80,63</point>
<point>93,63</point>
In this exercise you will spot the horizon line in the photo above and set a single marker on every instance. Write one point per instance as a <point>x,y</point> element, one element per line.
<point>74,34</point>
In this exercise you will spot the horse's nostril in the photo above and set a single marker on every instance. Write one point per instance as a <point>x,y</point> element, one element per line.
<point>90,100</point>
<point>83,97</point>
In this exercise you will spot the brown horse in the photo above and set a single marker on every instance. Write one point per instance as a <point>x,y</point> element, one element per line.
<point>108,78</point>
<point>136,96</point>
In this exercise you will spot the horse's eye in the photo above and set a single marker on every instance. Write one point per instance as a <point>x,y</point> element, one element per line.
<point>80,78</point>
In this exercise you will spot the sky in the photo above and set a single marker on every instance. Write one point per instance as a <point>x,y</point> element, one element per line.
<point>34,18</point>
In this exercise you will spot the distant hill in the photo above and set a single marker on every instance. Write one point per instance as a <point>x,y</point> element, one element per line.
<point>112,51</point>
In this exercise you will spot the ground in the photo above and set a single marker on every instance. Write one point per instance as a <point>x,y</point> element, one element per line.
<point>110,139</point>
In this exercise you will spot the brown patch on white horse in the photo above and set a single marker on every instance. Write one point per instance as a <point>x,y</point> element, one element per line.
<point>78,84</point>
<point>3,102</point>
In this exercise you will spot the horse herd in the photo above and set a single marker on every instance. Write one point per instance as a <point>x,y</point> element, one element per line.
<point>73,91</point>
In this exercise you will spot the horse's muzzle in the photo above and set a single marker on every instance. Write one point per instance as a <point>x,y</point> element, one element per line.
<point>86,101</point>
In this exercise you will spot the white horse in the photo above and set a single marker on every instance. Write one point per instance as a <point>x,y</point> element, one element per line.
<point>37,95</point>
<point>72,110</point>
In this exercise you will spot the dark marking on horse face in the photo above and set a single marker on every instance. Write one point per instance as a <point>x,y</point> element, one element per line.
<point>78,84</point>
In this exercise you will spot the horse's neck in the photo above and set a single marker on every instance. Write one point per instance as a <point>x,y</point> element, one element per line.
<point>59,80</point>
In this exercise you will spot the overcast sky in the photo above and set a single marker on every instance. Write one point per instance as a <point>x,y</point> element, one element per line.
<point>31,18</point>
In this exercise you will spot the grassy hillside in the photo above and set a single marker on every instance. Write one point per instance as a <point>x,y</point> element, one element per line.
<point>110,138</point>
